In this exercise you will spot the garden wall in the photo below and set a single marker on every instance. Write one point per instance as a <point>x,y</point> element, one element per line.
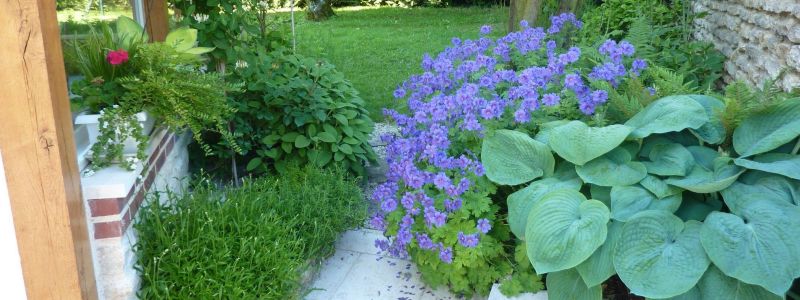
<point>759,37</point>
<point>113,196</point>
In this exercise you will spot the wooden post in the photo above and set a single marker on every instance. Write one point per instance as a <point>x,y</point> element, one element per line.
<point>156,19</point>
<point>38,149</point>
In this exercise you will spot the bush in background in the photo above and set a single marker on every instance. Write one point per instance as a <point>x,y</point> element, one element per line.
<point>252,242</point>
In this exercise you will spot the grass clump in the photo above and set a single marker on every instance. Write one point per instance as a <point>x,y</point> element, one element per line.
<point>252,242</point>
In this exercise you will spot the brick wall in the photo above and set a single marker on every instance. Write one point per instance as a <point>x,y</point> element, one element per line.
<point>760,38</point>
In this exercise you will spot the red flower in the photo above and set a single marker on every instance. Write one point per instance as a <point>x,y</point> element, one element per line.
<point>117,57</point>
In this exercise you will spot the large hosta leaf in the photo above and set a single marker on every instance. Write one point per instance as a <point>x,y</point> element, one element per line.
<point>564,229</point>
<point>520,202</point>
<point>768,129</point>
<point>757,243</point>
<point>568,285</point>
<point>700,180</point>
<point>716,286</point>
<point>512,157</point>
<point>692,294</point>
<point>704,156</point>
<point>612,169</point>
<point>627,201</point>
<point>669,160</point>
<point>578,143</point>
<point>712,132</point>
<point>662,256</point>
<point>658,187</point>
<point>779,163</point>
<point>600,266</point>
<point>543,135</point>
<point>672,113</point>
<point>772,186</point>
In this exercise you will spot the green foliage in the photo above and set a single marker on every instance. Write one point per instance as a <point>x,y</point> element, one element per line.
<point>696,220</point>
<point>524,278</point>
<point>301,110</point>
<point>252,242</point>
<point>115,127</point>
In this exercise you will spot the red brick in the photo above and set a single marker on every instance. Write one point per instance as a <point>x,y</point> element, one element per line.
<point>106,207</point>
<point>160,162</point>
<point>107,230</point>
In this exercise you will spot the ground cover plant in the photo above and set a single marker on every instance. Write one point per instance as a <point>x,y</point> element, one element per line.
<point>251,242</point>
<point>438,207</point>
<point>375,48</point>
<point>657,201</point>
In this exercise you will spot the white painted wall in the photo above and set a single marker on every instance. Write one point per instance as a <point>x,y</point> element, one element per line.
<point>11,281</point>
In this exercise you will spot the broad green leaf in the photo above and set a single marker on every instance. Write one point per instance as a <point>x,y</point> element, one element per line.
<point>612,169</point>
<point>712,132</point>
<point>756,243</point>
<point>704,156</point>
<point>326,137</point>
<point>600,266</point>
<point>520,202</point>
<point>182,39</point>
<point>512,157</point>
<point>658,187</point>
<point>772,186</point>
<point>564,229</point>
<point>716,286</point>
<point>692,294</point>
<point>651,142</point>
<point>601,193</point>
<point>765,130</point>
<point>320,157</point>
<point>253,164</point>
<point>627,201</point>
<point>700,180</point>
<point>290,137</point>
<point>669,160</point>
<point>568,285</point>
<point>130,32</point>
<point>672,113</point>
<point>578,143</point>
<point>544,130</point>
<point>695,208</point>
<point>633,147</point>
<point>779,163</point>
<point>301,141</point>
<point>662,256</point>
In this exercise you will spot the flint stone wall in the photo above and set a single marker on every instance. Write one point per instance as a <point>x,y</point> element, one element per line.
<point>760,38</point>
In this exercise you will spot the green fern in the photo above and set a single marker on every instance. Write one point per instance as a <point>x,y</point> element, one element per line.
<point>669,82</point>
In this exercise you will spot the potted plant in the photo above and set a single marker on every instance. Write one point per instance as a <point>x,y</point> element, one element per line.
<point>128,89</point>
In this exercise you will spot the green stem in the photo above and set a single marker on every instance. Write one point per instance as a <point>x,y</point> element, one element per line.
<point>795,150</point>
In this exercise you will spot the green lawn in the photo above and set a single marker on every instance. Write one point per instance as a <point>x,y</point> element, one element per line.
<point>378,48</point>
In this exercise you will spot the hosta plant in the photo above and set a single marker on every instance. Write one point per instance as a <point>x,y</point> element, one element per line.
<point>657,201</point>
<point>437,205</point>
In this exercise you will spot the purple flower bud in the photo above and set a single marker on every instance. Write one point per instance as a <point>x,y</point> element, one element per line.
<point>446,254</point>
<point>484,225</point>
<point>468,240</point>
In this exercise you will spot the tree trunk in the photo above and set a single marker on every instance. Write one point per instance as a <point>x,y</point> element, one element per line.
<point>319,10</point>
<point>523,10</point>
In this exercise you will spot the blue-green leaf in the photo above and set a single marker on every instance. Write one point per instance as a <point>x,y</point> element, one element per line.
<point>578,143</point>
<point>564,229</point>
<point>672,113</point>
<point>766,130</point>
<point>712,132</point>
<point>658,187</point>
<point>612,169</point>
<point>756,243</point>
<point>694,208</point>
<point>700,180</point>
<point>662,256</point>
<point>779,163</point>
<point>627,201</point>
<point>669,160</point>
<point>716,286</point>
<point>600,266</point>
<point>520,202</point>
<point>512,157</point>
<point>568,285</point>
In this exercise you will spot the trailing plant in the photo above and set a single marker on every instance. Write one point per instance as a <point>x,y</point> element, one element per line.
<point>658,200</point>
<point>114,128</point>
<point>437,206</point>
<point>298,110</point>
<point>252,242</point>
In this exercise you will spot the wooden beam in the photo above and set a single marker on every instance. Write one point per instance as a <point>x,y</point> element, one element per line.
<point>156,19</point>
<point>38,149</point>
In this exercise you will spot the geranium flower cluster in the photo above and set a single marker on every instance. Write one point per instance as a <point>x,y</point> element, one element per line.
<point>461,90</point>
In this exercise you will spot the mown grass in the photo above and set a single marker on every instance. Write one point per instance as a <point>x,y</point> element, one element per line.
<point>379,48</point>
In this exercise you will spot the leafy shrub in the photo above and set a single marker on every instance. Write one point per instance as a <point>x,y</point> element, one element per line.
<point>298,110</point>
<point>669,210</point>
<point>252,242</point>
<point>437,205</point>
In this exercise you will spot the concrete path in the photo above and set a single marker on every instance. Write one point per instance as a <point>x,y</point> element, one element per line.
<point>357,272</point>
